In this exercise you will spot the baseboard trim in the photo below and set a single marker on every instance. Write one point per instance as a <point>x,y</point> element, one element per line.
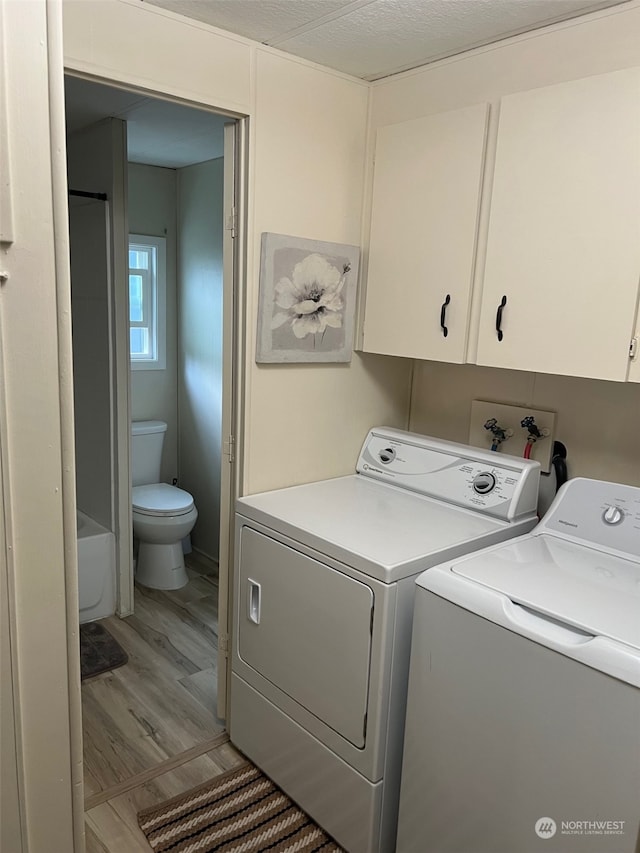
<point>204,562</point>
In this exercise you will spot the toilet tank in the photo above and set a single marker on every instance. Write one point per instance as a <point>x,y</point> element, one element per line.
<point>147,438</point>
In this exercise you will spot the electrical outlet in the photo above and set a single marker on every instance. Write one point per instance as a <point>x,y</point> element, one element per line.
<point>509,419</point>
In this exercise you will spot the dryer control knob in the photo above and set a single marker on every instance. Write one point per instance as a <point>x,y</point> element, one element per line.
<point>613,515</point>
<point>484,483</point>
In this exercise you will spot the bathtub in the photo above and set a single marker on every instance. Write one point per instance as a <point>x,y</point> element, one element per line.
<point>96,570</point>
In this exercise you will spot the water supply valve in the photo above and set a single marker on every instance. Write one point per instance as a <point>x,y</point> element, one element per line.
<point>499,434</point>
<point>535,434</point>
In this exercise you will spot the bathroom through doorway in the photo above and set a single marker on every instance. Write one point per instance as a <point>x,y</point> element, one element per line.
<point>169,174</point>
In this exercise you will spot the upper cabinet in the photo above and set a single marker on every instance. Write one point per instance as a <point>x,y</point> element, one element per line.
<point>558,290</point>
<point>426,195</point>
<point>563,252</point>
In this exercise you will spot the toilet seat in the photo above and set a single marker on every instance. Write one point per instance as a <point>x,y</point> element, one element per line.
<point>161,500</point>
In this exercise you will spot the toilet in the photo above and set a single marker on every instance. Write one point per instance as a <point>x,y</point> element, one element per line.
<point>163,515</point>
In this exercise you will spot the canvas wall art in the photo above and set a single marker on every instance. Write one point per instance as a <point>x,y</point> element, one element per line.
<point>307,300</point>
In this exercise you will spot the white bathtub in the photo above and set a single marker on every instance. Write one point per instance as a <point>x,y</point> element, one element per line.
<point>96,570</point>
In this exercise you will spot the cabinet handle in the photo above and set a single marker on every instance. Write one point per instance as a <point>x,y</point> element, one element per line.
<point>499,331</point>
<point>443,312</point>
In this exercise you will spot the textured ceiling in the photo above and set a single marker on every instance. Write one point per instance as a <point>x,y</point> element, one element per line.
<point>366,38</point>
<point>375,38</point>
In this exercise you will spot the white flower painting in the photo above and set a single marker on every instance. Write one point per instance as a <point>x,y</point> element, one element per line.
<point>307,300</point>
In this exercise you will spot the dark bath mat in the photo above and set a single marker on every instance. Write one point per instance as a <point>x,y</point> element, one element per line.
<point>99,651</point>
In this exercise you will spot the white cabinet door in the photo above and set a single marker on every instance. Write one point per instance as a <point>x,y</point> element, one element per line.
<point>426,195</point>
<point>563,253</point>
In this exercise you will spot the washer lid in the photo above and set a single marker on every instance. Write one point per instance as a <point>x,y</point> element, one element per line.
<point>577,585</point>
<point>161,499</point>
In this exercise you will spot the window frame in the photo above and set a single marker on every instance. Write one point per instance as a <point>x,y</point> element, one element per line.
<point>155,285</point>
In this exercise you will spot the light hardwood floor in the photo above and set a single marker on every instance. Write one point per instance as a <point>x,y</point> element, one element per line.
<point>112,826</point>
<point>150,728</point>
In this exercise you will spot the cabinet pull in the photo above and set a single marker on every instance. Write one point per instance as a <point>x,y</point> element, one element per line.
<point>443,312</point>
<point>499,331</point>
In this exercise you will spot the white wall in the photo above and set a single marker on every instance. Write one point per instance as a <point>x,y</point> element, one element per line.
<point>36,451</point>
<point>306,422</point>
<point>305,178</point>
<point>193,62</point>
<point>154,393</point>
<point>200,227</point>
<point>597,420</point>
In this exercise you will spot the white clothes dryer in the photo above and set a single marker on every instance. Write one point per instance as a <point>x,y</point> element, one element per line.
<point>523,715</point>
<point>324,587</point>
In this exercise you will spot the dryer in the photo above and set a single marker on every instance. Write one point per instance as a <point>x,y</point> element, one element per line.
<point>324,587</point>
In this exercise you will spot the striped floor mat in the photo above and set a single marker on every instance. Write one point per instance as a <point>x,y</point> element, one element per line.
<point>238,812</point>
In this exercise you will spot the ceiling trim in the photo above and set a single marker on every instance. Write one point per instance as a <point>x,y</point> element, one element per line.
<point>600,10</point>
<point>319,22</point>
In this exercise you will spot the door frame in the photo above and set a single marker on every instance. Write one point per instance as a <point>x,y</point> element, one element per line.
<point>236,167</point>
<point>236,138</point>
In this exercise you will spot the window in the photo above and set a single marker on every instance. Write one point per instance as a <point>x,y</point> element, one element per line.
<point>147,302</point>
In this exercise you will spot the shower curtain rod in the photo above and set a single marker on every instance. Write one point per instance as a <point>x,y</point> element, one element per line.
<point>83,194</point>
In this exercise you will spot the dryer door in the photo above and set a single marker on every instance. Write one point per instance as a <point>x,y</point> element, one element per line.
<point>306,628</point>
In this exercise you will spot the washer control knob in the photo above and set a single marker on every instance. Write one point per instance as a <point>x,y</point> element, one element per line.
<point>484,483</point>
<point>613,515</point>
<point>387,455</point>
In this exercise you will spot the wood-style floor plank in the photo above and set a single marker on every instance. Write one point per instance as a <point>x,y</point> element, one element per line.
<point>197,588</point>
<point>190,635</point>
<point>116,742</point>
<point>203,686</point>
<point>158,770</point>
<point>150,648</point>
<point>103,822</point>
<point>163,701</point>
<point>112,827</point>
<point>204,608</point>
<point>93,844</point>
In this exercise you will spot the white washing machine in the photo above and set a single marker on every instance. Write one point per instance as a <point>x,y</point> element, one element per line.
<point>324,587</point>
<point>523,714</point>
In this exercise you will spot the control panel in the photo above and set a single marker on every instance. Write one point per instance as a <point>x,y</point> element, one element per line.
<point>496,484</point>
<point>599,513</point>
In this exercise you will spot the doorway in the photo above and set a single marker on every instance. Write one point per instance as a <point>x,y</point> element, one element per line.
<point>169,173</point>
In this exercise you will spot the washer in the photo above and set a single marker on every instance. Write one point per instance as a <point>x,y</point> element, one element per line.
<point>523,717</point>
<point>324,587</point>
